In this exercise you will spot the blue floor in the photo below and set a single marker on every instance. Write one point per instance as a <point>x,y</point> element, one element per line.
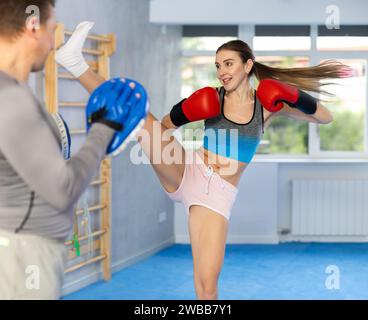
<point>285,271</point>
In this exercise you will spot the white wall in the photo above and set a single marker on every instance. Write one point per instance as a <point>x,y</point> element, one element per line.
<point>255,11</point>
<point>328,169</point>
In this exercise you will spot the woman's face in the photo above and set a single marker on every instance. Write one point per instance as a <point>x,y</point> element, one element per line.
<point>231,71</point>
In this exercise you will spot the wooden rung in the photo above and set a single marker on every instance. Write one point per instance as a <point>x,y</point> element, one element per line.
<point>86,263</point>
<point>93,208</point>
<point>93,65</point>
<point>73,104</point>
<point>98,182</point>
<point>77,132</point>
<point>99,38</point>
<point>95,38</point>
<point>66,76</point>
<point>94,234</point>
<point>92,52</point>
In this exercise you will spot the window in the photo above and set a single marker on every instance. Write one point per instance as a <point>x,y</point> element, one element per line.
<point>284,135</point>
<point>346,132</point>
<point>342,43</point>
<point>197,72</point>
<point>344,39</point>
<point>276,38</point>
<point>199,45</point>
<point>204,43</point>
<point>281,43</point>
<point>207,37</point>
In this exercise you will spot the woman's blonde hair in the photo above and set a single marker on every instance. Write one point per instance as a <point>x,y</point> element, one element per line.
<point>308,79</point>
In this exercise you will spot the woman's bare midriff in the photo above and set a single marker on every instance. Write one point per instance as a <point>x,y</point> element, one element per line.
<point>229,169</point>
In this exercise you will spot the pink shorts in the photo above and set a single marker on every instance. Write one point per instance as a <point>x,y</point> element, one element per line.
<point>202,186</point>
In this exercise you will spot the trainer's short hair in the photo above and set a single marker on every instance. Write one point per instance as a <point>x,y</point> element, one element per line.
<point>14,14</point>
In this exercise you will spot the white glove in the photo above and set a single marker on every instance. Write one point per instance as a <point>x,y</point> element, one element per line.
<point>70,55</point>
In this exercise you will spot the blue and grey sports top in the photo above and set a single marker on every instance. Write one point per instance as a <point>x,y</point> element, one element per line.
<point>233,140</point>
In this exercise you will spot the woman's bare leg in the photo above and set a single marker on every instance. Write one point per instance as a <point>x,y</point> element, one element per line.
<point>208,232</point>
<point>152,141</point>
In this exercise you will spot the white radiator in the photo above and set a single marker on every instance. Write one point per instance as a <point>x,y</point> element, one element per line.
<point>330,207</point>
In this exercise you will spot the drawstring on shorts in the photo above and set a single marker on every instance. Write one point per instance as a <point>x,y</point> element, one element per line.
<point>210,173</point>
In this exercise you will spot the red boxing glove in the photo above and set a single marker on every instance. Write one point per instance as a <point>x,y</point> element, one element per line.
<point>273,93</point>
<point>201,105</point>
